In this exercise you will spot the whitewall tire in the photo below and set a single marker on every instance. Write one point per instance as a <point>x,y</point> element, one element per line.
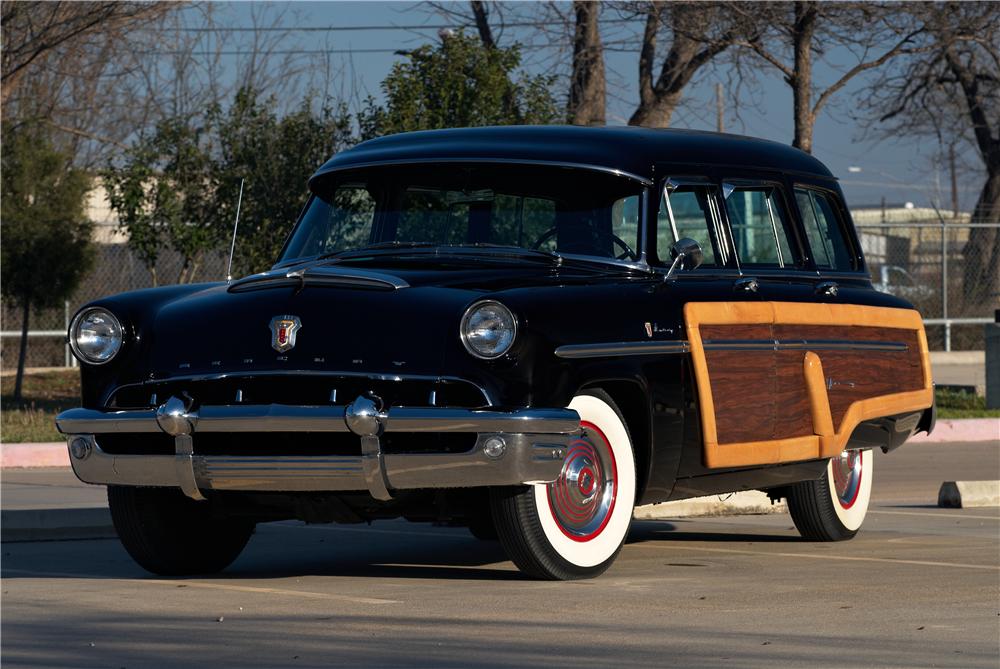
<point>575,526</point>
<point>834,507</point>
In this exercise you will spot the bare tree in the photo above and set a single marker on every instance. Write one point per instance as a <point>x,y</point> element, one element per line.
<point>698,32</point>
<point>792,34</point>
<point>34,31</point>
<point>587,97</point>
<point>104,73</point>
<point>951,91</point>
<point>64,64</point>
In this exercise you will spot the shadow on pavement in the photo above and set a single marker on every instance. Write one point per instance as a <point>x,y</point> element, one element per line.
<point>644,531</point>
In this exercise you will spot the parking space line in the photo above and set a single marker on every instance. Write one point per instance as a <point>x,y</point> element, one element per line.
<point>213,586</point>
<point>922,563</point>
<point>935,515</point>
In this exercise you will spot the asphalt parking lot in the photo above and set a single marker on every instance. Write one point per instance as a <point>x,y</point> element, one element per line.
<point>920,586</point>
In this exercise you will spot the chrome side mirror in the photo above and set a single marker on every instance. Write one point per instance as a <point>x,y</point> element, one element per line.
<point>686,253</point>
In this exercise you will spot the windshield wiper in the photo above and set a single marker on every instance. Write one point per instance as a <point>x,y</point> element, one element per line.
<point>479,249</point>
<point>380,246</point>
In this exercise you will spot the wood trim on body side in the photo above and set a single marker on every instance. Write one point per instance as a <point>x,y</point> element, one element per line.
<point>826,438</point>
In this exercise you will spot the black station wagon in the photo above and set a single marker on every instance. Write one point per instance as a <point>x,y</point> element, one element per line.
<point>526,330</point>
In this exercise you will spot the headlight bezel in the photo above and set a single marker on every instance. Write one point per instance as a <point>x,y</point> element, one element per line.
<point>74,332</point>
<point>464,333</point>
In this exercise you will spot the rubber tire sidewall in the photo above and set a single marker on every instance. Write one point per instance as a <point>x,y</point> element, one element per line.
<point>816,509</point>
<point>596,410</point>
<point>169,534</point>
<point>524,519</point>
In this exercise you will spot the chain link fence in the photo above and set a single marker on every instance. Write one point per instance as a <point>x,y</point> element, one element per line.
<point>947,267</point>
<point>916,254</point>
<point>116,269</point>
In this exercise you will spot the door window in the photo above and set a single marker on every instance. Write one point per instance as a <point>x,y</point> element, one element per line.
<point>688,211</point>
<point>824,230</point>
<point>759,225</point>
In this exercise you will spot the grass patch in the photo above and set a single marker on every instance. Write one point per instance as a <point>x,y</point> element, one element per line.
<point>959,404</point>
<point>44,396</point>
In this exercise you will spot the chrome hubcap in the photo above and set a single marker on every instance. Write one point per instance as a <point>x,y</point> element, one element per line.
<point>847,477</point>
<point>583,496</point>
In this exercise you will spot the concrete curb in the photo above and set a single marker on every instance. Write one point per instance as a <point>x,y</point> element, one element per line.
<point>969,494</point>
<point>53,454</point>
<point>56,524</point>
<point>958,358</point>
<point>961,429</point>
<point>747,503</point>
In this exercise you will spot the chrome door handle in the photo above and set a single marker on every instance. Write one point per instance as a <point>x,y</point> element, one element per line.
<point>746,285</point>
<point>829,288</point>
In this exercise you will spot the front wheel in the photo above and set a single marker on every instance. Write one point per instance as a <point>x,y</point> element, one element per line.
<point>575,526</point>
<point>169,534</point>
<point>833,507</point>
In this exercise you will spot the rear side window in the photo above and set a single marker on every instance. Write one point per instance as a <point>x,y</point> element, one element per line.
<point>759,225</point>
<point>824,230</point>
<point>688,211</point>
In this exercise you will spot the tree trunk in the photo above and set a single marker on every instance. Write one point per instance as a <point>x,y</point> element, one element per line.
<point>688,52</point>
<point>981,253</point>
<point>480,13</point>
<point>657,114</point>
<point>23,353</point>
<point>587,85</point>
<point>801,82</point>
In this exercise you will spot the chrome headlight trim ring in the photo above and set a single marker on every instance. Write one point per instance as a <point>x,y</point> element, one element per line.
<point>464,334</point>
<point>73,335</point>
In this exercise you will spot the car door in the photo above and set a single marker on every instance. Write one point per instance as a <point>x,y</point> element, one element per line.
<point>736,384</point>
<point>827,364</point>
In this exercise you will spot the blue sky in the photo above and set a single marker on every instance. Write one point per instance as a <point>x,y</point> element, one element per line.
<point>900,170</point>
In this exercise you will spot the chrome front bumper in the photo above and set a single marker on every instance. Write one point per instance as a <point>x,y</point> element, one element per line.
<point>513,447</point>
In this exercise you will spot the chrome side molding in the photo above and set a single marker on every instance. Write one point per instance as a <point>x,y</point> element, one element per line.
<point>633,348</point>
<point>621,348</point>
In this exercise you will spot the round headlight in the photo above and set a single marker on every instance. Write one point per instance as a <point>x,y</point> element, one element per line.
<point>488,329</point>
<point>95,336</point>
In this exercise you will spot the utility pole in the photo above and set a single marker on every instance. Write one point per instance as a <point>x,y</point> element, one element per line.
<point>720,111</point>
<point>954,181</point>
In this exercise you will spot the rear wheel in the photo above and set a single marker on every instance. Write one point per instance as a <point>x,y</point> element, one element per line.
<point>833,507</point>
<point>169,534</point>
<point>575,526</point>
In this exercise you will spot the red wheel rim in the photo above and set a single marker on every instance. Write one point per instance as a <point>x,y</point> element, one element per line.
<point>582,499</point>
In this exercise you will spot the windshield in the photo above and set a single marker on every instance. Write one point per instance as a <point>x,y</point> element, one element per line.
<point>569,211</point>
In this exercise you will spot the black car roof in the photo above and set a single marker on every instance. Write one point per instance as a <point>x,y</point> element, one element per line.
<point>628,150</point>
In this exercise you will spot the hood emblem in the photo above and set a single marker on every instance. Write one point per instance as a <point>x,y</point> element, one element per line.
<point>283,331</point>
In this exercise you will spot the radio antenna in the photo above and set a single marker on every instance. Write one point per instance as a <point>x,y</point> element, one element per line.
<point>236,225</point>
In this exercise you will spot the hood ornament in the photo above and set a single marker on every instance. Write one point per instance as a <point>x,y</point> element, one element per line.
<point>283,331</point>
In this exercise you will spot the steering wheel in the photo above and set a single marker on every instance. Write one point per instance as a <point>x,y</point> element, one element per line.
<point>626,254</point>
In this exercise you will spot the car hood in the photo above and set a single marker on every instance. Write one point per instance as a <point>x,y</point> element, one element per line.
<point>344,329</point>
<point>376,321</point>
